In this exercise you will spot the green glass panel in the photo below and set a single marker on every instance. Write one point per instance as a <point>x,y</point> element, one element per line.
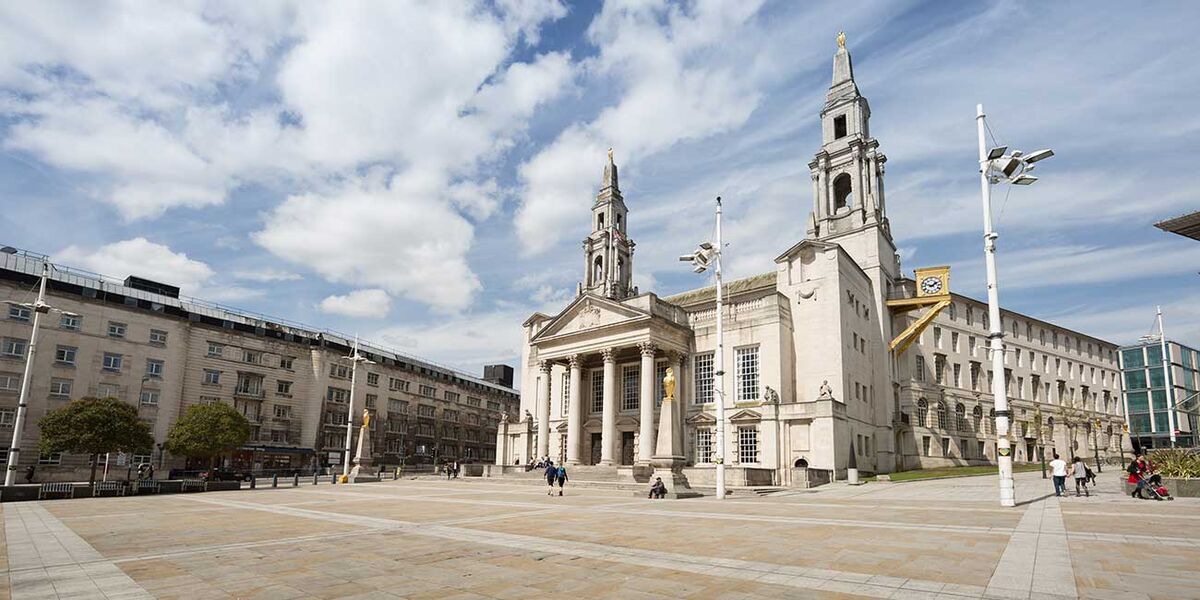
<point>1153,356</point>
<point>1159,399</point>
<point>1133,358</point>
<point>1139,423</point>
<point>1161,423</point>
<point>1156,377</point>
<point>1135,380</point>
<point>1138,402</point>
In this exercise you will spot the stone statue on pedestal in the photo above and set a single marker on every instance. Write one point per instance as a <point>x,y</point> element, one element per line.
<point>668,457</point>
<point>362,458</point>
<point>825,392</point>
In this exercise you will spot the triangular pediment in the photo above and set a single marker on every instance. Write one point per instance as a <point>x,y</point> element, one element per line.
<point>589,312</point>
<point>745,415</point>
<point>562,427</point>
<point>701,419</point>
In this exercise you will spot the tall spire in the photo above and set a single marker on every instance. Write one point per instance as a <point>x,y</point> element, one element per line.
<point>843,70</point>
<point>610,174</point>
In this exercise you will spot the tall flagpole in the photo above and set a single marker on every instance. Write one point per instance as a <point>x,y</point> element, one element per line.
<point>14,450</point>
<point>719,366</point>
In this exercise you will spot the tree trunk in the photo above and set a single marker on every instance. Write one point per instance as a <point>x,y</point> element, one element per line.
<point>95,460</point>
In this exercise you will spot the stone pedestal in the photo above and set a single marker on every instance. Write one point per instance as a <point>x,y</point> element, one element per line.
<point>362,472</point>
<point>668,458</point>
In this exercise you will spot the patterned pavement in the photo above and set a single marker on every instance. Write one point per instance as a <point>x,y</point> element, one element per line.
<point>488,539</point>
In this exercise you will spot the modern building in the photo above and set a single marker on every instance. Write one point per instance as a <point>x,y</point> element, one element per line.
<point>1155,409</point>
<point>811,381</point>
<point>1186,225</point>
<point>142,342</point>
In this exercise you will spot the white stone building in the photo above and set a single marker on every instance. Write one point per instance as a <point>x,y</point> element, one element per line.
<point>591,375</point>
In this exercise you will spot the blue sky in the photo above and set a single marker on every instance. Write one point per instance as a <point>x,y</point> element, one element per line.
<point>422,172</point>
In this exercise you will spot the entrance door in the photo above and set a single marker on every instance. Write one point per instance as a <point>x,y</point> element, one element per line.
<point>596,446</point>
<point>627,448</point>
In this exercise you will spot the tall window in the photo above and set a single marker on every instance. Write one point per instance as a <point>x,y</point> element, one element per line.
<point>564,397</point>
<point>977,418</point>
<point>597,390</point>
<point>941,415</point>
<point>747,444</point>
<point>939,368</point>
<point>746,361</point>
<point>702,366</point>
<point>703,448</point>
<point>957,375</point>
<point>923,413</point>
<point>975,376</point>
<point>630,381</point>
<point>954,341</point>
<point>960,417</point>
<point>919,368</point>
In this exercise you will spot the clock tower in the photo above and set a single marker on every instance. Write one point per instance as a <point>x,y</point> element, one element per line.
<point>608,251</point>
<point>847,176</point>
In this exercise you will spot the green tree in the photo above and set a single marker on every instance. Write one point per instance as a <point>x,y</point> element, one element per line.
<point>207,431</point>
<point>95,426</point>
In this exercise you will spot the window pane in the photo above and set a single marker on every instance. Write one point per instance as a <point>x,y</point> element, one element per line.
<point>746,361</point>
<point>703,367</point>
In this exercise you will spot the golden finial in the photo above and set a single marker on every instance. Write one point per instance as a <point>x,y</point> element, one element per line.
<point>610,159</point>
<point>841,39</point>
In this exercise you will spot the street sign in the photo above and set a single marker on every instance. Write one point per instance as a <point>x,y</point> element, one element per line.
<point>335,458</point>
<point>121,459</point>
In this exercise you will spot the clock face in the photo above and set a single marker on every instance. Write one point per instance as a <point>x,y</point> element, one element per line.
<point>931,285</point>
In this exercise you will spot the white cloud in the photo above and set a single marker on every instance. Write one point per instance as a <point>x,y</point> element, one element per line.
<point>677,86</point>
<point>372,303</point>
<point>140,257</point>
<point>464,342</point>
<point>266,275</point>
<point>397,235</point>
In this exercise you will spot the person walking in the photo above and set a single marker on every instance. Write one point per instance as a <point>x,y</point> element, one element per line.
<point>561,478</point>
<point>551,474</point>
<point>1080,471</point>
<point>1058,470</point>
<point>1138,472</point>
<point>29,472</point>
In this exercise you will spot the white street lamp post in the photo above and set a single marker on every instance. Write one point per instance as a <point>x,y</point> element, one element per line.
<point>703,256</point>
<point>355,358</point>
<point>1166,365</point>
<point>39,307</point>
<point>996,166</point>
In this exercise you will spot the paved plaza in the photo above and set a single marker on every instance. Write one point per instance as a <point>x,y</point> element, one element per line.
<point>498,539</point>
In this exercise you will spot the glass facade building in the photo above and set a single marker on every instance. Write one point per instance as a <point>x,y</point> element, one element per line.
<point>1148,402</point>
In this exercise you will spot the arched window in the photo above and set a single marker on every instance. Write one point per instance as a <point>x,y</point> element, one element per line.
<point>618,222</point>
<point>801,463</point>
<point>1050,426</point>
<point>953,311</point>
<point>991,422</point>
<point>941,415</point>
<point>970,315</point>
<point>960,417</point>
<point>599,221</point>
<point>843,192</point>
<point>977,417</point>
<point>922,413</point>
<point>598,270</point>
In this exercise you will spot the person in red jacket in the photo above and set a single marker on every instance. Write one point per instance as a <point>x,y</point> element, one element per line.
<point>1139,471</point>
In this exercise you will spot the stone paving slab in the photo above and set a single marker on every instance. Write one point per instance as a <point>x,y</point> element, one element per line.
<point>488,539</point>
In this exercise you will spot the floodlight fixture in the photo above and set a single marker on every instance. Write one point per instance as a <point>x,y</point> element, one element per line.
<point>1024,180</point>
<point>997,152</point>
<point>1009,165</point>
<point>1039,155</point>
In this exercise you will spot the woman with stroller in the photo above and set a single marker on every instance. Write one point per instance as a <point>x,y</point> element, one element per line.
<point>1139,473</point>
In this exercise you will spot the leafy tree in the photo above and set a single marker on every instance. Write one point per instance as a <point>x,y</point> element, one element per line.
<point>207,431</point>
<point>95,426</point>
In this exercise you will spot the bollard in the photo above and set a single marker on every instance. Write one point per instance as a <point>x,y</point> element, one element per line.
<point>275,480</point>
<point>295,480</point>
<point>315,478</point>
<point>252,481</point>
<point>333,479</point>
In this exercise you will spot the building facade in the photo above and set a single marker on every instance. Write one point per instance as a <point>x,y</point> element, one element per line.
<point>1156,409</point>
<point>146,345</point>
<point>810,381</point>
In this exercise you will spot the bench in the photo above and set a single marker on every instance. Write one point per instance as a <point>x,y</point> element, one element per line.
<point>67,490</point>
<point>191,485</point>
<point>115,488</point>
<point>146,486</point>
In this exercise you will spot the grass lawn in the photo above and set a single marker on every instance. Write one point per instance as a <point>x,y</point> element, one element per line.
<point>958,472</point>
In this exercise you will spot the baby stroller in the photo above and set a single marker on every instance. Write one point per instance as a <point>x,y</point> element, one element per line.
<point>1155,489</point>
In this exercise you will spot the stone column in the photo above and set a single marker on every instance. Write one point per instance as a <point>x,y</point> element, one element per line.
<point>646,404</point>
<point>860,194</point>
<point>681,399</point>
<point>575,411</point>
<point>608,431</point>
<point>502,440</point>
<point>543,409</point>
<point>816,182</point>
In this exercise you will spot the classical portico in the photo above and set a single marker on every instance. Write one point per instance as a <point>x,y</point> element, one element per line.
<point>611,354</point>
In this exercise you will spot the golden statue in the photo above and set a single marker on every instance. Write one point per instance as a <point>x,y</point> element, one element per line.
<point>669,384</point>
<point>610,158</point>
<point>366,419</point>
<point>841,39</point>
